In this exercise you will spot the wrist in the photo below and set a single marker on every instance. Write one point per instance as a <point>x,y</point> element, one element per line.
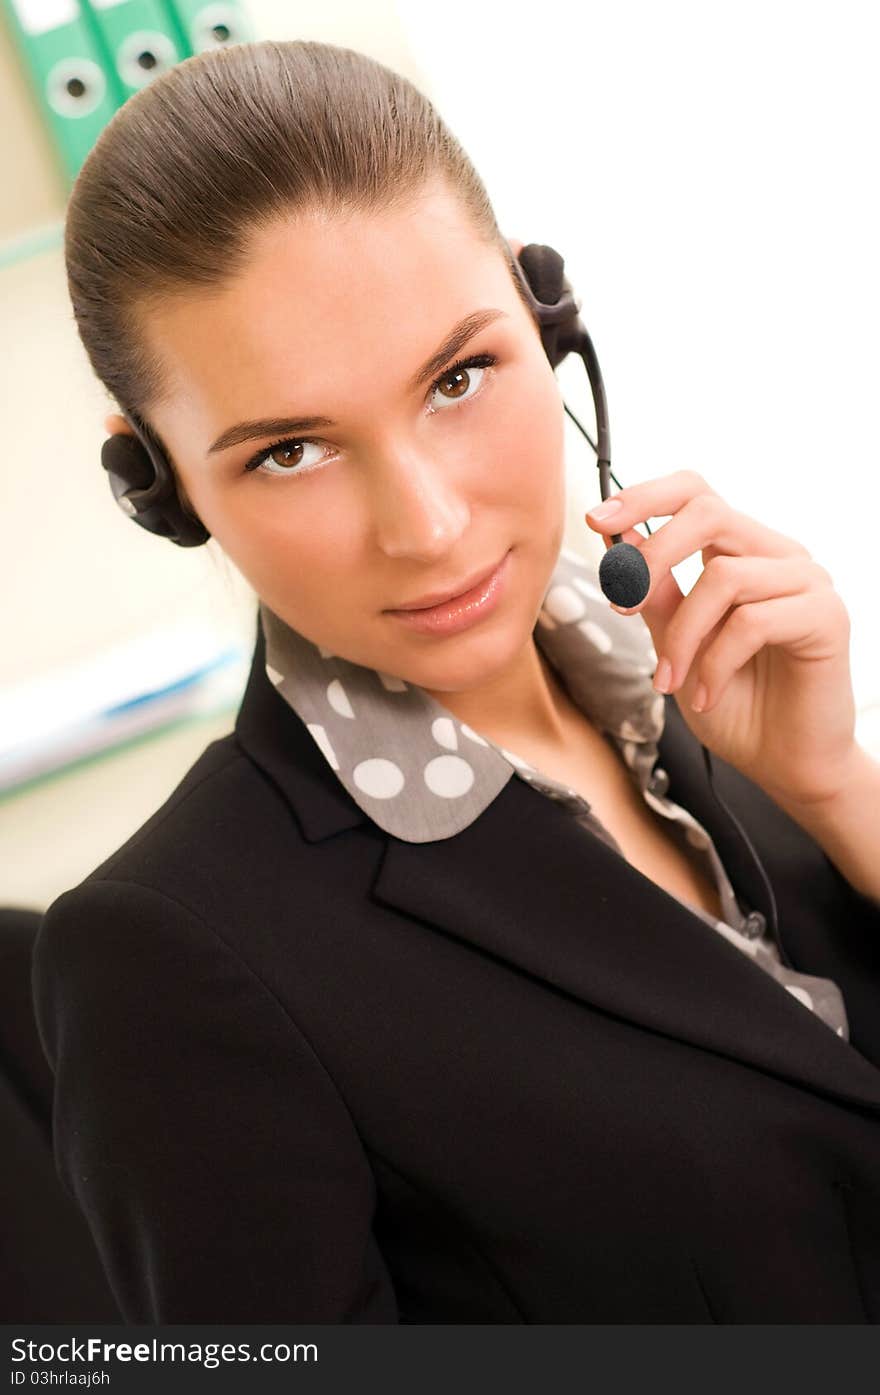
<point>859,771</point>
<point>844,823</point>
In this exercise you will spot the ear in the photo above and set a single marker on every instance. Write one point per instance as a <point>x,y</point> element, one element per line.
<point>115,424</point>
<point>515,246</point>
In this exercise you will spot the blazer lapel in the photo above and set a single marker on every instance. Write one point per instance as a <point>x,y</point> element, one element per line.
<point>521,885</point>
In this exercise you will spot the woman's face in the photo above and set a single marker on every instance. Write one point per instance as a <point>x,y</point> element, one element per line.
<point>413,484</point>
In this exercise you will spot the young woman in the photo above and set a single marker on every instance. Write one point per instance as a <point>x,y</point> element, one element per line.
<point>442,989</point>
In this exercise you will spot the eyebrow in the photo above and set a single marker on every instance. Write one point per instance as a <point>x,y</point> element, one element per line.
<point>455,340</point>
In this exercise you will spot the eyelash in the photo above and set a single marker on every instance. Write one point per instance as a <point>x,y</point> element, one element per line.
<point>475,361</point>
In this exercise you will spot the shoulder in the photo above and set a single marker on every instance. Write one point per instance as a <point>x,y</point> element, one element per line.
<point>221,777</point>
<point>179,866</point>
<point>203,880</point>
<point>224,815</point>
<point>147,933</point>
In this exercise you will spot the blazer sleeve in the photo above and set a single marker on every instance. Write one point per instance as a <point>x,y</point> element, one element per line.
<point>216,1164</point>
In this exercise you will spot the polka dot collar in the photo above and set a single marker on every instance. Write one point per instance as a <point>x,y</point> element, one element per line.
<point>413,767</point>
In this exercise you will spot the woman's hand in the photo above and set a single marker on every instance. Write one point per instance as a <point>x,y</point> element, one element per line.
<point>763,630</point>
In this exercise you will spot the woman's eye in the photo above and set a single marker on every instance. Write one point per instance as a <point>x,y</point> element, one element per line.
<point>458,380</point>
<point>289,456</point>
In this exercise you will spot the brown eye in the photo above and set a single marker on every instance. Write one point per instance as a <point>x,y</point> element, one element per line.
<point>284,453</point>
<point>286,456</point>
<point>463,380</point>
<point>460,380</point>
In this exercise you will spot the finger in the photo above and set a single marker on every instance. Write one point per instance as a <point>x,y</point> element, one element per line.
<point>699,518</point>
<point>794,620</point>
<point>726,582</point>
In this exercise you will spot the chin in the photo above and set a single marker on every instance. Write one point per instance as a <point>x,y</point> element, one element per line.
<point>473,657</point>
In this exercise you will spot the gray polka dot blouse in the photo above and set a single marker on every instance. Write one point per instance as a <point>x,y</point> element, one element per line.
<point>421,774</point>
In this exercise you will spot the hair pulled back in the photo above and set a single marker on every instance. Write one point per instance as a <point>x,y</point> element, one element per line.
<point>214,150</point>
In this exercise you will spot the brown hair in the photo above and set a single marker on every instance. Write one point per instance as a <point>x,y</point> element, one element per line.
<point>221,145</point>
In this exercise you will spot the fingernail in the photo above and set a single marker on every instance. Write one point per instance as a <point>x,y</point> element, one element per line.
<point>602,511</point>
<point>662,676</point>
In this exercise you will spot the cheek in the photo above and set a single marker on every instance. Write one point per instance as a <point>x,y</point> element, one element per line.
<point>285,527</point>
<point>301,555</point>
<point>527,441</point>
<point>281,550</point>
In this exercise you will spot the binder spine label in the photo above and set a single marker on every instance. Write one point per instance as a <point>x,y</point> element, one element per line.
<point>37,16</point>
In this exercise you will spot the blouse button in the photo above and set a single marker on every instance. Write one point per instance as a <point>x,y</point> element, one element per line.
<point>753,925</point>
<point>659,781</point>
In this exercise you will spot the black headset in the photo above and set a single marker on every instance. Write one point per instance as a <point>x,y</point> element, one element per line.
<point>145,488</point>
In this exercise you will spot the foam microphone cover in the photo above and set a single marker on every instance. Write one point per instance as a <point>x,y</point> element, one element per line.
<point>624,575</point>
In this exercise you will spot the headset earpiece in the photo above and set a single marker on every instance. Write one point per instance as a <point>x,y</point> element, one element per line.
<point>144,486</point>
<point>541,272</point>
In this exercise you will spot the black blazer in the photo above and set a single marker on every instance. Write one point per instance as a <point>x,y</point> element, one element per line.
<point>308,1072</point>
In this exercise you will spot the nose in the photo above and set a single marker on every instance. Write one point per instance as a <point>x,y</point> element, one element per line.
<point>418,508</point>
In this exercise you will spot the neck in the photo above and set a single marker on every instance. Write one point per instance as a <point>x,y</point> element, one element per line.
<point>525,707</point>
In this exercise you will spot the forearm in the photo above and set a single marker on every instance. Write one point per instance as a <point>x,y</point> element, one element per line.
<point>847,827</point>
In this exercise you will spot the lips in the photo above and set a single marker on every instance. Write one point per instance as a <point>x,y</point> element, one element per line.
<point>463,611</point>
<point>440,597</point>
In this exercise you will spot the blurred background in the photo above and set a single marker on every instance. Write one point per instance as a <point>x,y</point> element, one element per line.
<point>703,169</point>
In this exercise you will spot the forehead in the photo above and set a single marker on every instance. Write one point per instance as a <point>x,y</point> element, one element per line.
<point>321,297</point>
